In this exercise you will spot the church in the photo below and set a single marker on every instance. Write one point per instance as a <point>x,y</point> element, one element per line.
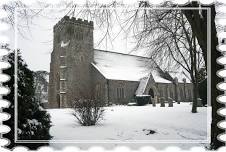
<point>78,70</point>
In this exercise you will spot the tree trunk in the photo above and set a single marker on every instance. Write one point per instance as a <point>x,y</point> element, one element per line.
<point>195,81</point>
<point>195,100</point>
<point>199,27</point>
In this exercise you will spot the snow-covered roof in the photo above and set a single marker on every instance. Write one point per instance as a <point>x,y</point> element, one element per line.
<point>119,66</point>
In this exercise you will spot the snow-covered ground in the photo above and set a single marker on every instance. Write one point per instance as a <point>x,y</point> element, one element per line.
<point>133,123</point>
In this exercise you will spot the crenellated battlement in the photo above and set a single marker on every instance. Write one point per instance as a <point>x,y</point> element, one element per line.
<point>73,20</point>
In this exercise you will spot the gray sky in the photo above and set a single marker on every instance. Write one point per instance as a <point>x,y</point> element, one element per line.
<point>37,45</point>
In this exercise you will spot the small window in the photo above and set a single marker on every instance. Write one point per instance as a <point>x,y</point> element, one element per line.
<point>63,86</point>
<point>63,98</point>
<point>63,73</point>
<point>62,61</point>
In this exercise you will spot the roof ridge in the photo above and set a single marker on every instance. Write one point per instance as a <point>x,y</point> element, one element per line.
<point>123,54</point>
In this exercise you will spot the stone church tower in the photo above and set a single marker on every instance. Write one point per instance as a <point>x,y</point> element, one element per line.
<point>70,69</point>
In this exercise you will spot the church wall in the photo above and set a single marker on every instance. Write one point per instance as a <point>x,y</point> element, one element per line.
<point>183,91</point>
<point>99,86</point>
<point>79,79</point>
<point>165,90</point>
<point>122,92</point>
<point>53,86</point>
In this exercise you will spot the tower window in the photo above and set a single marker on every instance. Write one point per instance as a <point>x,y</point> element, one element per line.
<point>120,93</point>
<point>62,73</point>
<point>63,86</point>
<point>62,61</point>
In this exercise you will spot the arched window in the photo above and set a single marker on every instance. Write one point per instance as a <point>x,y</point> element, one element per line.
<point>120,93</point>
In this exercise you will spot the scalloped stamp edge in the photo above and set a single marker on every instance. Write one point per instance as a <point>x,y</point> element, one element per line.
<point>5,90</point>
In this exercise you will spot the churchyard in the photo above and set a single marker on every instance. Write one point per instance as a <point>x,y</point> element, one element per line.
<point>122,123</point>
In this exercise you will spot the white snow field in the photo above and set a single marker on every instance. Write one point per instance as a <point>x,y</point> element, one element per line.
<point>133,124</point>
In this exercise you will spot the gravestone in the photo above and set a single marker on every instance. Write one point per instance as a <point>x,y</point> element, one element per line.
<point>170,101</point>
<point>199,102</point>
<point>162,102</point>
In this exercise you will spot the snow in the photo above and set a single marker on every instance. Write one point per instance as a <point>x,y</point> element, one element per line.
<point>118,66</point>
<point>41,108</point>
<point>44,101</point>
<point>142,95</point>
<point>62,44</point>
<point>133,123</point>
<point>132,104</point>
<point>33,122</point>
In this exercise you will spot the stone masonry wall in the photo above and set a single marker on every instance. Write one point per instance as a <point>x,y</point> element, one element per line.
<point>71,70</point>
<point>99,86</point>
<point>129,88</point>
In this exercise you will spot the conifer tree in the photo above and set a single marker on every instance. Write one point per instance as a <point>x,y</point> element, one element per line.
<point>33,121</point>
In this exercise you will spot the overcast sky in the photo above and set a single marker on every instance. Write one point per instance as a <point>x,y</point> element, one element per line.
<point>36,44</point>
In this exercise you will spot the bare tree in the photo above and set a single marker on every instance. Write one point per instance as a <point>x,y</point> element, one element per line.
<point>198,22</point>
<point>170,41</point>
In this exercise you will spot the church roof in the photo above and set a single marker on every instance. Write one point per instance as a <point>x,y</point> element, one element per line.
<point>119,66</point>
